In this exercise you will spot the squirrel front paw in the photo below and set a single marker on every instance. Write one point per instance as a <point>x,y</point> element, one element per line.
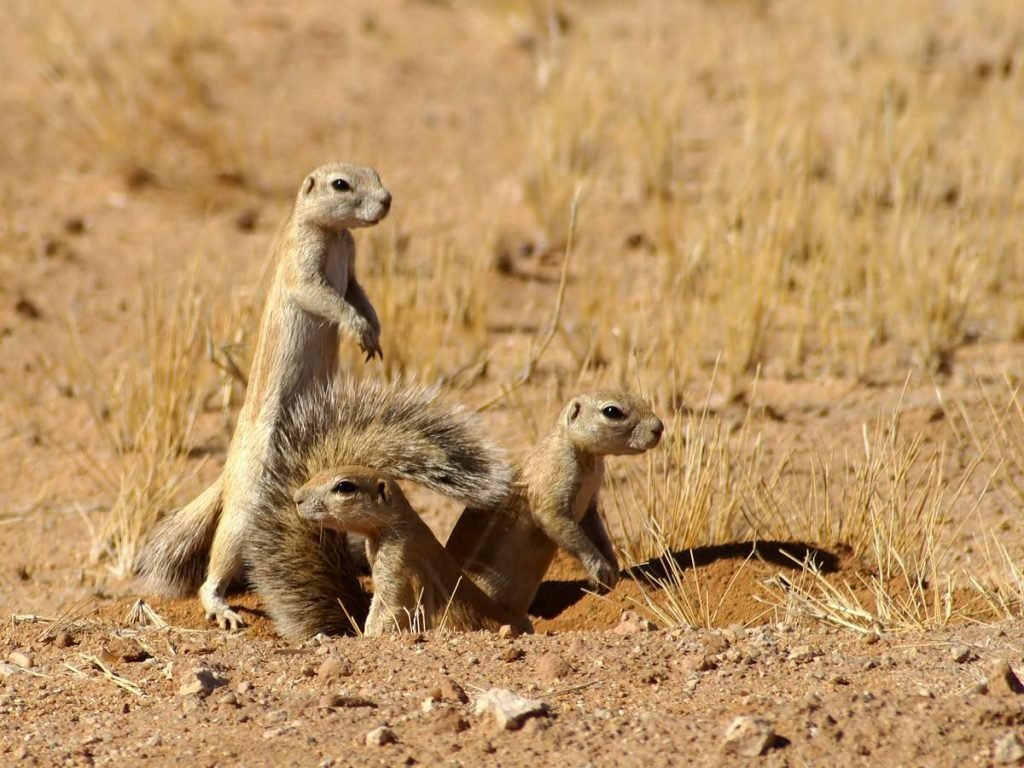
<point>226,619</point>
<point>369,342</point>
<point>603,575</point>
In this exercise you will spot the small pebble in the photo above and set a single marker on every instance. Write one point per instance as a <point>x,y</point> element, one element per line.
<point>1009,749</point>
<point>21,659</point>
<point>552,667</point>
<point>380,736</point>
<point>749,736</point>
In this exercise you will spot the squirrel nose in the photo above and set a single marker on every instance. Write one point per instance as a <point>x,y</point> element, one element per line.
<point>299,495</point>
<point>657,428</point>
<point>385,202</point>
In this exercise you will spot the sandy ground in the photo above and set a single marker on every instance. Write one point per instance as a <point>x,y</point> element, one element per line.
<point>430,96</point>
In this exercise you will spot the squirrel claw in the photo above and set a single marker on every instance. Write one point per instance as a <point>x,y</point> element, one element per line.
<point>604,579</point>
<point>226,619</point>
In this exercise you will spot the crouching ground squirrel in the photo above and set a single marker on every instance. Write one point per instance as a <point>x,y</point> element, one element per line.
<point>416,583</point>
<point>313,296</point>
<point>506,550</point>
<point>302,570</point>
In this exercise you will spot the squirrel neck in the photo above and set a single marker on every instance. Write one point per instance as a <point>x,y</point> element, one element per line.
<point>397,540</point>
<point>311,239</point>
<point>559,464</point>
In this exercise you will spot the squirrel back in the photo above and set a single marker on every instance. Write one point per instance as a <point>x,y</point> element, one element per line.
<point>302,571</point>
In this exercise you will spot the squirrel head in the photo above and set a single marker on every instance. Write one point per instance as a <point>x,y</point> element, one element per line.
<point>611,424</point>
<point>341,196</point>
<point>351,499</point>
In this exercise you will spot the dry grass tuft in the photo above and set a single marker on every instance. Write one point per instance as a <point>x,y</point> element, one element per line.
<point>145,406</point>
<point>140,99</point>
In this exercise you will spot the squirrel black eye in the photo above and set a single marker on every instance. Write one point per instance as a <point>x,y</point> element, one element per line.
<point>612,412</point>
<point>341,185</point>
<point>345,486</point>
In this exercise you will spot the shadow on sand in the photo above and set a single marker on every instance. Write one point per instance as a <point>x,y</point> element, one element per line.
<point>553,597</point>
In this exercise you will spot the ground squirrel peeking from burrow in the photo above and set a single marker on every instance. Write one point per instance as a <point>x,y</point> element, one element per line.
<point>313,298</point>
<point>507,550</point>
<point>416,583</point>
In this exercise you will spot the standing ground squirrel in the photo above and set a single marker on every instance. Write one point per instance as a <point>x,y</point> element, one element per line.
<point>416,583</point>
<point>314,295</point>
<point>302,570</point>
<point>507,550</point>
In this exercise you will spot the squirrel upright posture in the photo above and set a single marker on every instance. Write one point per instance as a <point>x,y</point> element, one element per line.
<point>416,583</point>
<point>313,297</point>
<point>303,570</point>
<point>507,550</point>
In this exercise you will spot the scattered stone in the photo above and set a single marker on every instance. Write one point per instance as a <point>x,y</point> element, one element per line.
<point>1009,749</point>
<point>154,740</point>
<point>64,640</point>
<point>551,667</point>
<point>449,690</point>
<point>961,654</point>
<point>507,630</point>
<point>1002,680</point>
<point>714,644</point>
<point>338,701</point>
<point>735,632</point>
<point>631,623</point>
<point>244,687</point>
<point>201,681</point>
<point>801,653</point>
<point>450,721</point>
<point>283,730</point>
<point>871,637</point>
<point>508,709</point>
<point>6,670</point>
<point>277,715</point>
<point>512,654</point>
<point>697,663</point>
<point>21,659</point>
<point>123,649</point>
<point>191,702</point>
<point>749,736</point>
<point>229,700</point>
<point>380,737</point>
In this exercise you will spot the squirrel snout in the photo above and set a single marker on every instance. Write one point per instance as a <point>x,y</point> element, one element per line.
<point>657,428</point>
<point>385,202</point>
<point>299,496</point>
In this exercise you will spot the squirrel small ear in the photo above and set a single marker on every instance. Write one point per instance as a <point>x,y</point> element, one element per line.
<point>574,411</point>
<point>382,491</point>
<point>308,186</point>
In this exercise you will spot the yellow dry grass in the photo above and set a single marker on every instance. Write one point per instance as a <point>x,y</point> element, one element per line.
<point>796,191</point>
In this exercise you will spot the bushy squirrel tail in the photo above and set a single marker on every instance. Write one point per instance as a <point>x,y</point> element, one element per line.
<point>173,560</point>
<point>304,574</point>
